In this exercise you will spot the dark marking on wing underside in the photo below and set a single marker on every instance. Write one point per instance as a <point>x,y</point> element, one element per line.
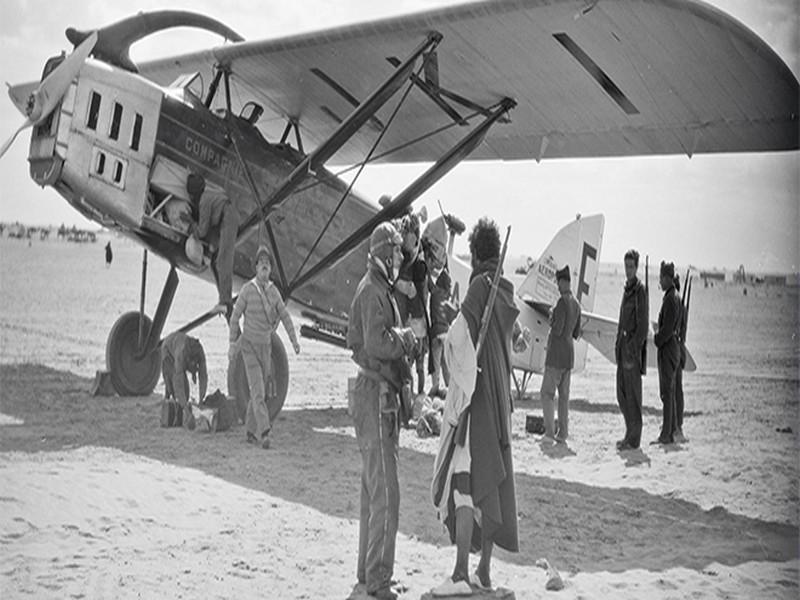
<point>600,76</point>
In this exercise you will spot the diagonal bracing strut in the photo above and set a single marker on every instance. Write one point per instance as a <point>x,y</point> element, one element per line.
<point>343,133</point>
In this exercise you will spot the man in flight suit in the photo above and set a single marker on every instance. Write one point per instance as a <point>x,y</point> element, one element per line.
<point>217,223</point>
<point>376,339</point>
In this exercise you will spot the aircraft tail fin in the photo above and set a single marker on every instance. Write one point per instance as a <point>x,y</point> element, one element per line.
<point>578,245</point>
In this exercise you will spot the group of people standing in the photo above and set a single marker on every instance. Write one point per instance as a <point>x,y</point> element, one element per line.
<point>631,354</point>
<point>473,488</point>
<point>630,351</point>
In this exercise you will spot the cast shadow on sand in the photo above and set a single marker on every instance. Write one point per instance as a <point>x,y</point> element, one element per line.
<point>533,402</point>
<point>555,449</point>
<point>579,527</point>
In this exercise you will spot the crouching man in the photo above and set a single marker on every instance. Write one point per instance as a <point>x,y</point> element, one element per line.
<point>182,354</point>
<point>377,341</point>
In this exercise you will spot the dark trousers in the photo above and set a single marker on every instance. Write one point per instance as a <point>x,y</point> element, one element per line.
<point>225,240</point>
<point>377,433</point>
<point>629,398</point>
<point>678,424</point>
<point>668,359</point>
<point>171,381</point>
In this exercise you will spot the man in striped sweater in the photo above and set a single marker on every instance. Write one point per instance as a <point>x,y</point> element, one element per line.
<point>261,305</point>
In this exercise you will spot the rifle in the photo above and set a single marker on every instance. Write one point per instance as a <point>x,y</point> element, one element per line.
<point>643,369</point>
<point>685,325</point>
<point>461,430</point>
<point>487,311</point>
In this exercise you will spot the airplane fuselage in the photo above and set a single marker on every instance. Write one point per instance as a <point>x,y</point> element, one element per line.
<point>119,149</point>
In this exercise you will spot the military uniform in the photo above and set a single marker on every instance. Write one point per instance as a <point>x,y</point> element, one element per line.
<point>631,338</point>
<point>669,355</point>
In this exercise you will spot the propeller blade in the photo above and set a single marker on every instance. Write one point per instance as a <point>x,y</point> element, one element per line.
<point>10,140</point>
<point>19,96</point>
<point>55,85</point>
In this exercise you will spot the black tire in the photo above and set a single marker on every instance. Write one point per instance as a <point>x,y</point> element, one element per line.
<point>237,381</point>
<point>131,376</point>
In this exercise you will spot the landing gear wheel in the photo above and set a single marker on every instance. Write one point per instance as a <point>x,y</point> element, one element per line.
<point>131,375</point>
<point>239,388</point>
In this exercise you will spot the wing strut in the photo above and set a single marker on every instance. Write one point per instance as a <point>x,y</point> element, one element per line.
<point>418,187</point>
<point>342,134</point>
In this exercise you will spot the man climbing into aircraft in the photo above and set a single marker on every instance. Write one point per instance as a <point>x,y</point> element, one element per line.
<point>379,344</point>
<point>631,338</point>
<point>565,326</point>
<point>217,224</point>
<point>182,354</point>
<point>669,352</point>
<point>261,305</point>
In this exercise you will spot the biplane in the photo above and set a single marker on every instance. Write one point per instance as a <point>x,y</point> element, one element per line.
<point>267,121</point>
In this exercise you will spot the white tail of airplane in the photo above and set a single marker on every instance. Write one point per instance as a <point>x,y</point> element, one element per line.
<point>578,245</point>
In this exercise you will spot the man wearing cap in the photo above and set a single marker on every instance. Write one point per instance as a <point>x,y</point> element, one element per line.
<point>260,303</point>
<point>217,223</point>
<point>378,343</point>
<point>669,353</point>
<point>410,291</point>
<point>631,338</point>
<point>565,326</point>
<point>434,244</point>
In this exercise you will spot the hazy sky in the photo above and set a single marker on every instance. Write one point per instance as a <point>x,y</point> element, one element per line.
<point>720,210</point>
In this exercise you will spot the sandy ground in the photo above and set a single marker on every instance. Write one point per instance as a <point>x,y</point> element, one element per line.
<point>97,501</point>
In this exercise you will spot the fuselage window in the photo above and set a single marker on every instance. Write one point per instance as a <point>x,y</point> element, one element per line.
<point>116,120</point>
<point>94,111</point>
<point>117,172</point>
<point>101,163</point>
<point>137,132</point>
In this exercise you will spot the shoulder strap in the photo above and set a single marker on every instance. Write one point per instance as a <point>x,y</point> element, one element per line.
<point>263,298</point>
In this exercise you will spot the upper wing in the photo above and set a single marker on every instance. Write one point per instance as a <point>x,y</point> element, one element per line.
<point>610,78</point>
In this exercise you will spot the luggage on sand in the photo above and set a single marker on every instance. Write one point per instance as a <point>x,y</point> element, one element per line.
<point>215,413</point>
<point>225,407</point>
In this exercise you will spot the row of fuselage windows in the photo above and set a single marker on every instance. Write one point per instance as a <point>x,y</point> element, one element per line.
<point>116,121</point>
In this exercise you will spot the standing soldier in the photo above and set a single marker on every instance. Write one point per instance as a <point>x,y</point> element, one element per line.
<point>261,305</point>
<point>378,343</point>
<point>677,425</point>
<point>669,353</point>
<point>565,326</point>
<point>631,340</point>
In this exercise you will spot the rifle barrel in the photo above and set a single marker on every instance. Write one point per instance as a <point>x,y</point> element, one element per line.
<point>487,311</point>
